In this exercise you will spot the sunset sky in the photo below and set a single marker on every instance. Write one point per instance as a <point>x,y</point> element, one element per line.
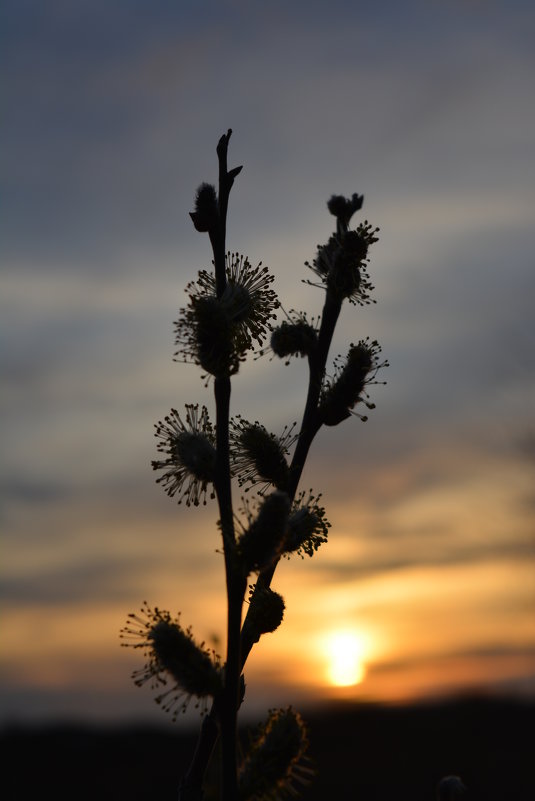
<point>111,112</point>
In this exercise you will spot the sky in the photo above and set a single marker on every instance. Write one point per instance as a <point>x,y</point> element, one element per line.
<point>111,112</point>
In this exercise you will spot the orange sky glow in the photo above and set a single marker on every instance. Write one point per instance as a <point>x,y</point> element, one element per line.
<point>395,635</point>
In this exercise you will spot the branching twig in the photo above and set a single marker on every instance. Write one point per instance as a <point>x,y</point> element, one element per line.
<point>228,312</point>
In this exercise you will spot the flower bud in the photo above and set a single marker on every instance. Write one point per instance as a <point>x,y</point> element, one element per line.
<point>324,258</point>
<point>267,454</point>
<point>253,300</point>
<point>343,208</point>
<point>307,526</point>
<point>344,278</point>
<point>263,451</point>
<point>171,653</point>
<point>263,541</point>
<point>341,263</point>
<point>197,454</point>
<point>266,610</point>
<point>276,759</point>
<point>259,457</point>
<point>214,337</point>
<point>354,246</point>
<point>217,329</point>
<point>189,665</point>
<point>189,453</point>
<point>293,339</point>
<point>340,396</point>
<point>206,214</point>
<point>237,302</point>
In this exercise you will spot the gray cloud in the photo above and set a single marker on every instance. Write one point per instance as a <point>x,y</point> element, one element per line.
<point>103,578</point>
<point>423,553</point>
<point>490,653</point>
<point>109,580</point>
<point>98,143</point>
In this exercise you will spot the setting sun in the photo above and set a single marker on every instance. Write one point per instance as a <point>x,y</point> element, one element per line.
<point>344,652</point>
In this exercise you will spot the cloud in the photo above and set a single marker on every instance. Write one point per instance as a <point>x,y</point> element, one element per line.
<point>98,145</point>
<point>108,130</point>
<point>100,579</point>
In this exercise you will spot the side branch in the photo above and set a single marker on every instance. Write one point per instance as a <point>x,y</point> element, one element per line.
<point>309,428</point>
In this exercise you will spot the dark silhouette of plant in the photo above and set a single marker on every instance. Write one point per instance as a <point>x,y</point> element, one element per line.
<point>232,311</point>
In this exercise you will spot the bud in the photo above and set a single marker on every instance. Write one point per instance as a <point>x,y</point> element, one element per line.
<point>217,332</point>
<point>255,310</point>
<point>307,526</point>
<point>347,388</point>
<point>213,333</point>
<point>293,339</point>
<point>190,454</point>
<point>236,302</point>
<point>259,457</point>
<point>344,277</point>
<point>324,258</point>
<point>177,653</point>
<point>204,334</point>
<point>343,208</point>
<point>173,654</point>
<point>206,214</point>
<point>266,610</point>
<point>276,760</point>
<point>346,274</point>
<point>354,246</point>
<point>262,542</point>
<point>197,454</point>
<point>266,453</point>
<point>341,264</point>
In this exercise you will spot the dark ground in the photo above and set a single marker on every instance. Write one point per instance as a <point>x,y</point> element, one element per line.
<point>361,752</point>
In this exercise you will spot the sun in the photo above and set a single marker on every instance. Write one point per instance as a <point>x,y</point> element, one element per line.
<point>344,650</point>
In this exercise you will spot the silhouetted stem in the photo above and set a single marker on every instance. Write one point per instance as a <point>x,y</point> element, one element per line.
<point>317,361</point>
<point>309,428</point>
<point>227,706</point>
<point>191,785</point>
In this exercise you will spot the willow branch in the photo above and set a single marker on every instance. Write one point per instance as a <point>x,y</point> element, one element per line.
<point>236,583</point>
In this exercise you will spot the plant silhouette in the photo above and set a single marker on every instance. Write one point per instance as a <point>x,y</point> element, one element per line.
<point>232,311</point>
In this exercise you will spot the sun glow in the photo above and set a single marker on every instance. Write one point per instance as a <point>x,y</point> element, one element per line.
<point>344,651</point>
